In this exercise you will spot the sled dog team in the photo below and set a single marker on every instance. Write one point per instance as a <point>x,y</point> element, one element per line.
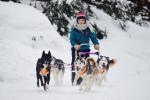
<point>88,69</point>
<point>85,70</point>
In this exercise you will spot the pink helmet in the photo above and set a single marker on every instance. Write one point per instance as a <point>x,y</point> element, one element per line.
<point>81,15</point>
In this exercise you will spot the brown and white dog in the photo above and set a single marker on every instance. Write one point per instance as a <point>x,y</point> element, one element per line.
<point>58,70</point>
<point>88,73</point>
<point>103,64</point>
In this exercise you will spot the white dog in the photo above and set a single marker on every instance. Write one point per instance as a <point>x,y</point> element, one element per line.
<point>79,63</point>
<point>58,69</point>
<point>103,64</point>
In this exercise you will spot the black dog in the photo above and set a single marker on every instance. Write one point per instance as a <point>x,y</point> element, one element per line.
<point>43,68</point>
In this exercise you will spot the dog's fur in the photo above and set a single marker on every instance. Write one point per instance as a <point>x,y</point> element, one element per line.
<point>103,63</point>
<point>79,63</point>
<point>58,69</point>
<point>43,63</point>
<point>89,74</point>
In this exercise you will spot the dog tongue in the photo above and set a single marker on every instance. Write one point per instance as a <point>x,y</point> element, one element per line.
<point>104,66</point>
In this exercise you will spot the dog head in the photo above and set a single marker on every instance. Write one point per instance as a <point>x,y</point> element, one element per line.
<point>57,63</point>
<point>46,59</point>
<point>105,62</point>
<point>90,65</point>
<point>79,63</point>
<point>60,64</point>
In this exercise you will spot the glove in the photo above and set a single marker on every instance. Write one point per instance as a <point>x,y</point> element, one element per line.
<point>96,47</point>
<point>77,47</point>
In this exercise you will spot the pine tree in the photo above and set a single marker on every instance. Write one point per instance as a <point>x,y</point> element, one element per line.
<point>60,13</point>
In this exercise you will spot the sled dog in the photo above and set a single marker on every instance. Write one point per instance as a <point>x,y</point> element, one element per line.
<point>58,70</point>
<point>103,64</point>
<point>43,70</point>
<point>88,73</point>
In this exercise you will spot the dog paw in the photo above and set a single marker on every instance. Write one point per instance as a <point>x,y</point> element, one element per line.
<point>38,85</point>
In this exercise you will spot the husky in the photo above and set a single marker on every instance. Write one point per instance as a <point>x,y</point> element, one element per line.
<point>43,70</point>
<point>103,65</point>
<point>79,64</point>
<point>88,74</point>
<point>58,70</point>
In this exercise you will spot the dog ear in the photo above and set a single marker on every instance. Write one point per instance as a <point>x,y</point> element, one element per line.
<point>101,56</point>
<point>49,53</point>
<point>43,53</point>
<point>107,58</point>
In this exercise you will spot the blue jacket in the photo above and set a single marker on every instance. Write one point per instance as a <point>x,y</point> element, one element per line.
<point>82,37</point>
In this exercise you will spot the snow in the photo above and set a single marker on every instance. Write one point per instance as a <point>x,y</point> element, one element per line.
<point>129,79</point>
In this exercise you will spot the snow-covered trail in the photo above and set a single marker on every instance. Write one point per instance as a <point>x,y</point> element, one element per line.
<point>129,79</point>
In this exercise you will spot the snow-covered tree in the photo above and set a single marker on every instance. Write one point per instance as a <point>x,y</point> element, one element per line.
<point>61,12</point>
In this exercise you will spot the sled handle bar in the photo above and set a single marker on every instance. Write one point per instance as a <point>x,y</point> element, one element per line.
<point>84,53</point>
<point>86,44</point>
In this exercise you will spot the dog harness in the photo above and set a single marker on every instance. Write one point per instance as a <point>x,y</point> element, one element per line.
<point>43,72</point>
<point>82,71</point>
<point>100,71</point>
